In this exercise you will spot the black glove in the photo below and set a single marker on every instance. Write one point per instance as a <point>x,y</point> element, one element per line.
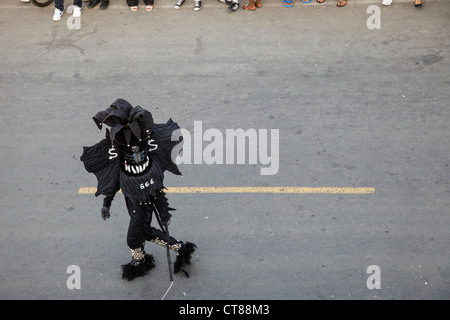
<point>106,205</point>
<point>105,213</point>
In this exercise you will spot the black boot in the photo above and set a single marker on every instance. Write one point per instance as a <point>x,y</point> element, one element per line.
<point>93,3</point>
<point>104,4</point>
<point>140,264</point>
<point>184,257</point>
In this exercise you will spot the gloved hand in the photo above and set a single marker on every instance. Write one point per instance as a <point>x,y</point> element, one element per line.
<point>105,213</point>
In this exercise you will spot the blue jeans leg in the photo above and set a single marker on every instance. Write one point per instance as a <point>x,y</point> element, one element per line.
<point>59,4</point>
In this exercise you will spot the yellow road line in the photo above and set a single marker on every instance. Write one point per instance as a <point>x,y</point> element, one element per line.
<point>304,190</point>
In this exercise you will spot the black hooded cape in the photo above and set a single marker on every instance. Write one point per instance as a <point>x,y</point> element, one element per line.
<point>103,160</point>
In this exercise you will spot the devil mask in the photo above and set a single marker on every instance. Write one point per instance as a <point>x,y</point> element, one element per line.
<point>134,154</point>
<point>131,129</point>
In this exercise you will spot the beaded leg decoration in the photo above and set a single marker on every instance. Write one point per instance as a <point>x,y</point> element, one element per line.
<point>183,250</point>
<point>140,264</point>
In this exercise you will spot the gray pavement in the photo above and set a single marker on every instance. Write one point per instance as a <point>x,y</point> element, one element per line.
<point>354,107</point>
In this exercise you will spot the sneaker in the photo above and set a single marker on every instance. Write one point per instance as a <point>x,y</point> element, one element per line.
<point>233,7</point>
<point>178,4</point>
<point>57,15</point>
<point>76,12</point>
<point>198,5</point>
<point>25,0</point>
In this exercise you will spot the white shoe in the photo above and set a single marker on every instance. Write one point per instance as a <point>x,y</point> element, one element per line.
<point>25,0</point>
<point>198,5</point>
<point>57,15</point>
<point>76,12</point>
<point>178,4</point>
<point>386,2</point>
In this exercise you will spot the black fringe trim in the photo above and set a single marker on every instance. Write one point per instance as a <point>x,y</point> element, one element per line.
<point>184,257</point>
<point>130,271</point>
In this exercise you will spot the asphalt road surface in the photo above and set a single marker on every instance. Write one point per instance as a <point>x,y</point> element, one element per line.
<point>353,106</point>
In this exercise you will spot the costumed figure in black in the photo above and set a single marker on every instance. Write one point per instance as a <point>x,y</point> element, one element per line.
<point>133,158</point>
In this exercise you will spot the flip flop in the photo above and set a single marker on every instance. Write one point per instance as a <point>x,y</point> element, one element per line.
<point>134,8</point>
<point>306,1</point>
<point>149,7</point>
<point>341,3</point>
<point>288,3</point>
<point>245,7</point>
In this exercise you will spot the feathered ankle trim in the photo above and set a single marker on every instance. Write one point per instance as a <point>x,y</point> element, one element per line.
<point>137,268</point>
<point>184,257</point>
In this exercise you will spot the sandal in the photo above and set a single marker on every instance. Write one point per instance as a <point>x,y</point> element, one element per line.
<point>308,1</point>
<point>246,7</point>
<point>341,3</point>
<point>320,1</point>
<point>288,3</point>
<point>134,8</point>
